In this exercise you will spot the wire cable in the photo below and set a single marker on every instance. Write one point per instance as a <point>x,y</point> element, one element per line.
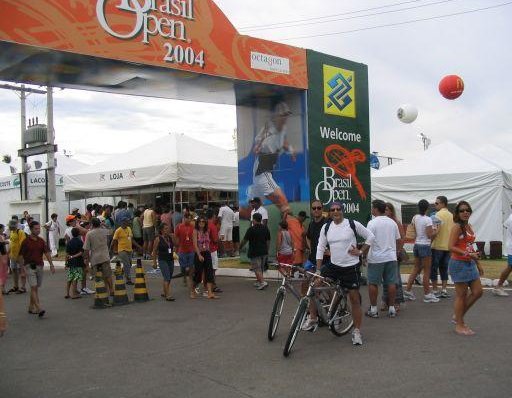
<point>357,16</point>
<point>397,23</point>
<point>331,16</point>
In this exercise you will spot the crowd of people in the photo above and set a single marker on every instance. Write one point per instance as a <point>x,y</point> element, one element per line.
<point>444,244</point>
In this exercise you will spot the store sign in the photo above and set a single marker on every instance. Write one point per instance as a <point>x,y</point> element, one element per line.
<point>339,134</point>
<point>157,18</point>
<point>270,63</point>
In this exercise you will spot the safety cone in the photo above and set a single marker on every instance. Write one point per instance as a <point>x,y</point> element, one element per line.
<point>120,295</point>
<point>140,291</point>
<point>101,297</point>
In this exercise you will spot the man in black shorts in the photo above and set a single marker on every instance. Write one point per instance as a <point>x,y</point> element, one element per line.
<point>340,236</point>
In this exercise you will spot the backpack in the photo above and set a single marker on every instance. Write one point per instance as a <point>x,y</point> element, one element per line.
<point>350,221</point>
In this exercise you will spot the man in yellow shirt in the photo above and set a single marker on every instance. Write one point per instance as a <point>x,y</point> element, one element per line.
<point>440,246</point>
<point>122,244</point>
<point>16,238</point>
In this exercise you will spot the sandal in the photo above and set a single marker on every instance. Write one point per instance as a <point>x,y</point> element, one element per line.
<point>76,297</point>
<point>41,313</point>
<point>67,296</point>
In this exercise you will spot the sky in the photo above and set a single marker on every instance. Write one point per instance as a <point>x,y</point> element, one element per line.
<point>406,63</point>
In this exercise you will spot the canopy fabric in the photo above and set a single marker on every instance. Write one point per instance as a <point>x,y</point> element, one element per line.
<point>449,170</point>
<point>500,158</point>
<point>174,159</point>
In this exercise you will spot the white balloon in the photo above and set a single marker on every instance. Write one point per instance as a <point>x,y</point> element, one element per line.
<point>407,113</point>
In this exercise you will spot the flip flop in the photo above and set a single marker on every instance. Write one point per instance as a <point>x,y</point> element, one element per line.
<point>76,297</point>
<point>41,313</point>
<point>467,332</point>
<point>67,296</point>
<point>170,299</point>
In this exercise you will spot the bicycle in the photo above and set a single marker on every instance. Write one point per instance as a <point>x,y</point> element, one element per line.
<point>333,309</point>
<point>287,272</point>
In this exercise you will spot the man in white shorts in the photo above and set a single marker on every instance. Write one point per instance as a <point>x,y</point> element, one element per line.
<point>226,217</point>
<point>270,142</point>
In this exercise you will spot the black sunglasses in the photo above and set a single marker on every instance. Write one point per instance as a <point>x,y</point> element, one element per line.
<point>317,208</point>
<point>465,211</point>
<point>335,209</point>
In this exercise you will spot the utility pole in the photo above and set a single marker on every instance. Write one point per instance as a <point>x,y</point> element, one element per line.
<point>23,179</point>
<point>52,191</point>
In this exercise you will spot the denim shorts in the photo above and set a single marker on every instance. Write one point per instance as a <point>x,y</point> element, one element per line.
<point>186,261</point>
<point>382,273</point>
<point>422,251</point>
<point>463,271</point>
<point>509,257</point>
<point>167,268</point>
<point>440,259</point>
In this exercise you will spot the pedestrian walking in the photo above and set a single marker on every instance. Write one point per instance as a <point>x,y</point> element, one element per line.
<point>184,240</point>
<point>16,238</point>
<point>401,254</point>
<point>74,264</point>
<point>258,238</point>
<point>32,250</point>
<point>499,290</point>
<point>122,245</point>
<point>422,253</point>
<point>382,258</point>
<point>149,219</point>
<point>464,267</point>
<point>97,254</point>
<point>203,259</point>
<point>54,230</point>
<point>163,252</point>
<point>440,251</point>
<point>226,218</point>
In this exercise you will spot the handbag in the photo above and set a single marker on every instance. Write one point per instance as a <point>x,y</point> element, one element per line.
<point>410,232</point>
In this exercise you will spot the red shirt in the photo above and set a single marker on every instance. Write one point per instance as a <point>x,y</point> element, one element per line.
<point>32,250</point>
<point>184,233</point>
<point>214,236</point>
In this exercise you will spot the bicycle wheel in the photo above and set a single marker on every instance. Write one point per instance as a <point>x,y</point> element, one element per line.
<point>298,319</point>
<point>276,314</point>
<point>340,320</point>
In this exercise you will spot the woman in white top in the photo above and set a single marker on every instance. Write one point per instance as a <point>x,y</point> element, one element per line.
<point>422,253</point>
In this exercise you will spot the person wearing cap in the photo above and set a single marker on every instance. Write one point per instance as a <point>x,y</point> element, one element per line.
<point>340,235</point>
<point>16,238</point>
<point>122,244</point>
<point>269,143</point>
<point>258,208</point>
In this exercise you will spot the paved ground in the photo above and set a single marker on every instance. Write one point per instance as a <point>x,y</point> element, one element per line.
<point>216,349</point>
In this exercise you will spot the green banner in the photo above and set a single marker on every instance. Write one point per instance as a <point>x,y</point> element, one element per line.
<point>339,134</point>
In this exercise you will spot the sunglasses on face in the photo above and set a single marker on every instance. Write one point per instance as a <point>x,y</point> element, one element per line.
<point>316,208</point>
<point>437,203</point>
<point>334,209</point>
<point>464,211</point>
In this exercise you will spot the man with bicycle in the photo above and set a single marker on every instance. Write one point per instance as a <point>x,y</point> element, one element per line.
<point>340,236</point>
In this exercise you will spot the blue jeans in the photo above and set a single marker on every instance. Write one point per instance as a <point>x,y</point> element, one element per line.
<point>399,289</point>
<point>440,260</point>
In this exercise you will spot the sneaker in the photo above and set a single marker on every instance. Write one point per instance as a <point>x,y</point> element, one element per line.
<point>392,314</point>
<point>438,293</point>
<point>256,284</point>
<point>371,314</point>
<point>357,339</point>
<point>262,285</point>
<point>409,295</point>
<point>430,298</point>
<point>89,291</point>
<point>83,292</point>
<point>310,325</point>
<point>445,294</point>
<point>499,291</point>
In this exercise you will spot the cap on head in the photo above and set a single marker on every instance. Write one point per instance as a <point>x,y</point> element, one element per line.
<point>255,200</point>
<point>303,214</point>
<point>70,217</point>
<point>336,204</point>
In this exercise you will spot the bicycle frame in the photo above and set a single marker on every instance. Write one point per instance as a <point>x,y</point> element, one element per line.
<point>313,294</point>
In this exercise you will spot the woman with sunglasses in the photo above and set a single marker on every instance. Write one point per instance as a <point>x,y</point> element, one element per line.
<point>464,267</point>
<point>203,259</point>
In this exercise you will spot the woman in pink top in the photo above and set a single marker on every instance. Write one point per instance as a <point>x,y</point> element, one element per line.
<point>464,267</point>
<point>203,258</point>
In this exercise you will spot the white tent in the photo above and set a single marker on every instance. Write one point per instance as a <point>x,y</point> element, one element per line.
<point>173,162</point>
<point>447,169</point>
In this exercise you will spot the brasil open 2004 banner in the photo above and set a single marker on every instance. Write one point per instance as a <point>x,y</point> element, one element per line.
<point>339,134</point>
